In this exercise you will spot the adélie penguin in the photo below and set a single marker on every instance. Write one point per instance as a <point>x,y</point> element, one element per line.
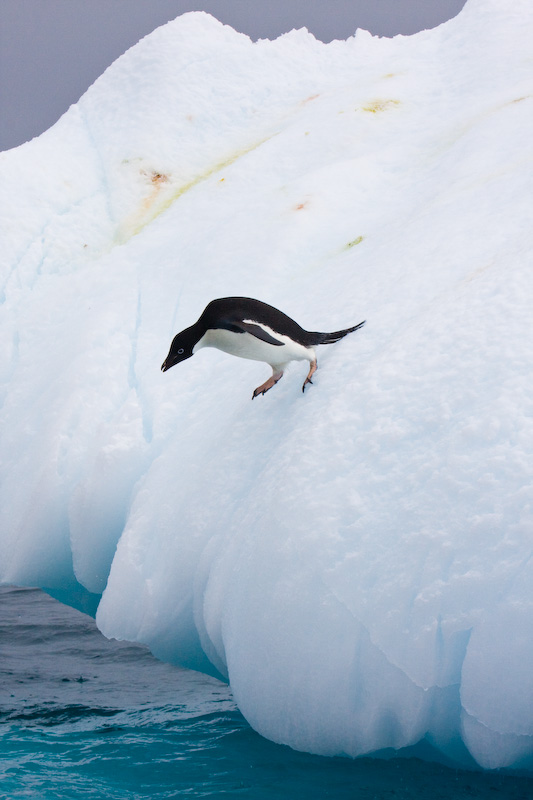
<point>251,329</point>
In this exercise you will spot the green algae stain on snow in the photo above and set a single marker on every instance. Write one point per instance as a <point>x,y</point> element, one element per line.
<point>162,195</point>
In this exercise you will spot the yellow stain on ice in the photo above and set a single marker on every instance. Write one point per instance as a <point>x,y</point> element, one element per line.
<point>159,200</point>
<point>377,106</point>
<point>158,181</point>
<point>354,242</point>
<point>464,128</point>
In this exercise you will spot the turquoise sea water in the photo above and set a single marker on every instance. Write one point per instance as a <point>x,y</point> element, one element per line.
<point>84,718</point>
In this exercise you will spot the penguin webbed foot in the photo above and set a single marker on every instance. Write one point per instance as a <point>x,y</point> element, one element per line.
<point>267,384</point>
<point>312,370</point>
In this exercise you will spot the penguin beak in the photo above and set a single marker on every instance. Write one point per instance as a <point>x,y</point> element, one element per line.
<point>172,359</point>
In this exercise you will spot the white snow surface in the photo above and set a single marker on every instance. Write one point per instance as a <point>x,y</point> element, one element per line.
<point>356,559</point>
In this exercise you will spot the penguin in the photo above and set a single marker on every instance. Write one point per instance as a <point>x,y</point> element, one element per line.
<point>252,329</point>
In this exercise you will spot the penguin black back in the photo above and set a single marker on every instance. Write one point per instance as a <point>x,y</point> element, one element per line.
<point>238,309</point>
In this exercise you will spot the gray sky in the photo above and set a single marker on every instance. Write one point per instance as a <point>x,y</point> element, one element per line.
<point>51,51</point>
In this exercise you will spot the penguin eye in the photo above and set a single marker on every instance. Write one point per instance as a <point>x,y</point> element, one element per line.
<point>180,351</point>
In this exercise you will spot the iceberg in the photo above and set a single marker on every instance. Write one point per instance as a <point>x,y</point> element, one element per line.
<point>355,560</point>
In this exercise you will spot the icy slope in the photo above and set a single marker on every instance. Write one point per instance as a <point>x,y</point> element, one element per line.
<point>357,559</point>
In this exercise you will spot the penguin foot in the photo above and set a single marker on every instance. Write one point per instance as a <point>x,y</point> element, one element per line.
<point>267,384</point>
<point>312,370</point>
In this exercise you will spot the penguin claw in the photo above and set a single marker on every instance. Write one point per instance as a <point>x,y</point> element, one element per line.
<point>257,393</point>
<point>267,384</point>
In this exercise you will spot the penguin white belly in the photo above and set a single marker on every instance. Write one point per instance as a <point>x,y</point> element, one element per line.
<point>245,345</point>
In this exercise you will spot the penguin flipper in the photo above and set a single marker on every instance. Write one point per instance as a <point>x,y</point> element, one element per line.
<point>254,330</point>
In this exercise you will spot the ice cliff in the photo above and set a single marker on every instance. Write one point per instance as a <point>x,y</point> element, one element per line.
<point>356,560</point>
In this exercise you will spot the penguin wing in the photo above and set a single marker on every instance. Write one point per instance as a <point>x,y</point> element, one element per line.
<point>243,326</point>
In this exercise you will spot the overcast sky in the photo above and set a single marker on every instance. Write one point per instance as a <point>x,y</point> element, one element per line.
<point>51,51</point>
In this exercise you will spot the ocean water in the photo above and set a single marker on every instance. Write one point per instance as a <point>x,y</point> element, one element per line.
<point>82,717</point>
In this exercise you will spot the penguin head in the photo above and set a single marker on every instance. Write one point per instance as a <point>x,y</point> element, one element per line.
<point>181,348</point>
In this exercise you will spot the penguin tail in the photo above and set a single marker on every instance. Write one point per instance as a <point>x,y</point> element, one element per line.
<point>330,338</point>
